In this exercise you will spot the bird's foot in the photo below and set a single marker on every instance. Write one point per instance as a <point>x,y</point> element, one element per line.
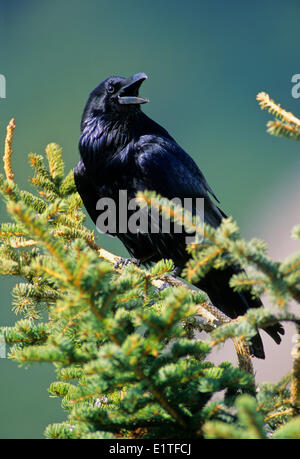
<point>163,287</point>
<point>123,262</point>
<point>177,271</point>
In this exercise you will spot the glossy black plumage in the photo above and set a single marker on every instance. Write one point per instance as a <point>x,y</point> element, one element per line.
<point>123,149</point>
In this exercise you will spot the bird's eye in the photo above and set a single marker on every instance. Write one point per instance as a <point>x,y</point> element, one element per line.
<point>110,88</point>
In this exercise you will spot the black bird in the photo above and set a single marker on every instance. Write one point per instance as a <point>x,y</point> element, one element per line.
<point>123,149</point>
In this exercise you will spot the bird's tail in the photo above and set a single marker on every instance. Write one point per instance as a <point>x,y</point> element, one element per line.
<point>234,304</point>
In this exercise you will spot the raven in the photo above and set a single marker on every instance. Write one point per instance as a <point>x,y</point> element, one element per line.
<point>123,149</point>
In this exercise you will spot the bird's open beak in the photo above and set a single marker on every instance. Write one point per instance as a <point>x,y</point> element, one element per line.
<point>129,92</point>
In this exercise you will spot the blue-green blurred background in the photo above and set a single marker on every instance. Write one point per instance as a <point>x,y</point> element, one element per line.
<point>206,61</point>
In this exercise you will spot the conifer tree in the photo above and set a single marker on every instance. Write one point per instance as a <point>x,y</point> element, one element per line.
<point>128,364</point>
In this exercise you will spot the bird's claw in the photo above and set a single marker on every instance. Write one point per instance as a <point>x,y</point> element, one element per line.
<point>164,286</point>
<point>123,262</point>
<point>177,271</point>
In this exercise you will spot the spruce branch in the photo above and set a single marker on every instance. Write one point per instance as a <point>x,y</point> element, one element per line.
<point>211,315</point>
<point>266,102</point>
<point>8,151</point>
<point>295,387</point>
<point>249,425</point>
<point>285,124</point>
<point>124,349</point>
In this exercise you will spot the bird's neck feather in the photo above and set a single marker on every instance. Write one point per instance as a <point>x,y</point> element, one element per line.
<point>104,135</point>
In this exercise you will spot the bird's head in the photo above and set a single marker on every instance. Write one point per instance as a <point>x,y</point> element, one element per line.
<point>116,95</point>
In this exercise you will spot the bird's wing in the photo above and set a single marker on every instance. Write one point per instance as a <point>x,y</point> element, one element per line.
<point>87,190</point>
<point>167,169</point>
